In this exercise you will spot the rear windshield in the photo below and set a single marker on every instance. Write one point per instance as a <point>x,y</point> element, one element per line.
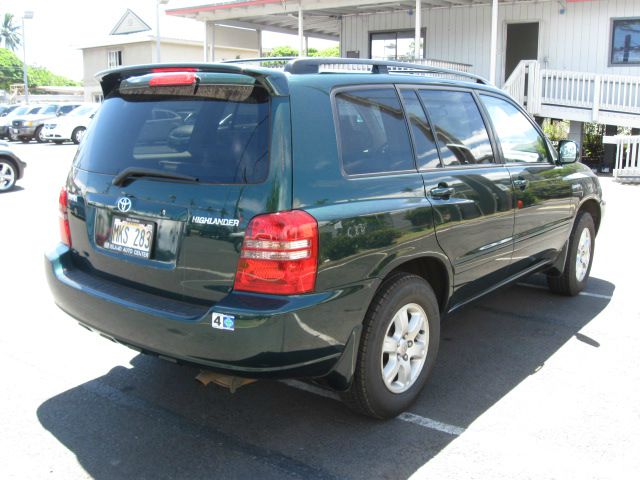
<point>216,141</point>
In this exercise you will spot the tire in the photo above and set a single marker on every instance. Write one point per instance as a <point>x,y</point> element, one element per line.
<point>38,135</point>
<point>77,134</point>
<point>577,267</point>
<point>8,175</point>
<point>401,296</point>
<point>13,137</point>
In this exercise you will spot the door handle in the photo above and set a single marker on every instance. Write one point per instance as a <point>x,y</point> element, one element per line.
<point>520,183</point>
<point>442,191</point>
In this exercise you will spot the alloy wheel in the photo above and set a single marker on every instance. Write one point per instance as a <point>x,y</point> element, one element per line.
<point>404,349</point>
<point>583,254</point>
<point>7,176</point>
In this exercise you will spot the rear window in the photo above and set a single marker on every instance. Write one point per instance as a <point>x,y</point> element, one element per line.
<point>216,141</point>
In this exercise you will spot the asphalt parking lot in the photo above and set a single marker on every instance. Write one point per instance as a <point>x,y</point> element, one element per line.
<point>527,384</point>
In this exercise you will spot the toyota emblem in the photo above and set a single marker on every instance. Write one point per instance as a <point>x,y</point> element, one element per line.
<point>124,204</point>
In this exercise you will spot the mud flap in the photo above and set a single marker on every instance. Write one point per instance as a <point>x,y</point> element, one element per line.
<point>341,375</point>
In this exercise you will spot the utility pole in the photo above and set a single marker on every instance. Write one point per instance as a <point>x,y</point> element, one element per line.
<point>158,2</point>
<point>28,15</point>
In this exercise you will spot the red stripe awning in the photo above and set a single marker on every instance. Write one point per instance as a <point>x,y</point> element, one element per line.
<point>221,6</point>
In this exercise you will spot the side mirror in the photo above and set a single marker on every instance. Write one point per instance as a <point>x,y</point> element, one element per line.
<point>568,151</point>
<point>59,113</point>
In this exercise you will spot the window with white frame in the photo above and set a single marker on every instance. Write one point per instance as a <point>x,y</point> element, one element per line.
<point>396,45</point>
<point>114,58</point>
<point>625,41</point>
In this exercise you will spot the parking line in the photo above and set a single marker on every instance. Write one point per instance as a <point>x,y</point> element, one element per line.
<point>596,295</point>
<point>430,423</point>
<point>584,294</point>
<point>311,389</point>
<point>404,417</point>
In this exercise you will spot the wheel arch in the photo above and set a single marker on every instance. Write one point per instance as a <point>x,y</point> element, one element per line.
<point>592,206</point>
<point>13,162</point>
<point>435,269</point>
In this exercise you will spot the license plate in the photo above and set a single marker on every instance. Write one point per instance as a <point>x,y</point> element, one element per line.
<point>131,237</point>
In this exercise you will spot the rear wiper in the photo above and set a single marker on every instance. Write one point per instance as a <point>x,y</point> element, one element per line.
<point>134,172</point>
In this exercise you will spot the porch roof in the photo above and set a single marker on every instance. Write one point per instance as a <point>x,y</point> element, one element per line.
<point>322,17</point>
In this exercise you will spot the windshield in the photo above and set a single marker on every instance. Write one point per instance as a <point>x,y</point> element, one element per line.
<point>84,110</point>
<point>19,111</point>
<point>48,109</point>
<point>35,110</point>
<point>213,140</point>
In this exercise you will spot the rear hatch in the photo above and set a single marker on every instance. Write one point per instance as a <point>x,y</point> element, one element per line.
<point>176,163</point>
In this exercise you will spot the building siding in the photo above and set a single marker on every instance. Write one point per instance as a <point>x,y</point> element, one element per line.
<point>234,43</point>
<point>578,40</point>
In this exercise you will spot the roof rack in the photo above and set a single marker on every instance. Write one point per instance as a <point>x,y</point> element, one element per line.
<point>280,61</point>
<point>305,65</point>
<point>313,65</point>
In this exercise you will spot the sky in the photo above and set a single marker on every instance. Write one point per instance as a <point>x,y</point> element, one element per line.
<point>59,27</point>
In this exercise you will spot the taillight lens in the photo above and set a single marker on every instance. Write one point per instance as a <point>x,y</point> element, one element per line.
<point>279,254</point>
<point>63,219</point>
<point>172,79</point>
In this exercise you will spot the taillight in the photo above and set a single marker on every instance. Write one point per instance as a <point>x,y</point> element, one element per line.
<point>279,254</point>
<point>65,233</point>
<point>172,79</point>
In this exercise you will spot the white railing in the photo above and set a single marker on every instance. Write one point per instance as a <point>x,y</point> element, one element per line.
<point>517,82</point>
<point>542,91</point>
<point>627,157</point>
<point>434,62</point>
<point>620,92</point>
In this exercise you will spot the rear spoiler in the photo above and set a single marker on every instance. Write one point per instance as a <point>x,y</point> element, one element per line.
<point>274,81</point>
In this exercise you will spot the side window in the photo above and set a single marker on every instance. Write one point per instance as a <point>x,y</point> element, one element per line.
<point>372,131</point>
<point>520,141</point>
<point>462,135</point>
<point>423,140</point>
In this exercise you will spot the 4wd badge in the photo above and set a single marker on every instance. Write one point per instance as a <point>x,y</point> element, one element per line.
<point>223,322</point>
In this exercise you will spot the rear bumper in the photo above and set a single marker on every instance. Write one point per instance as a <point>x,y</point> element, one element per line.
<point>274,336</point>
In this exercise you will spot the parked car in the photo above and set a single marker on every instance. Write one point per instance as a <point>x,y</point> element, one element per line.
<point>7,109</point>
<point>368,205</point>
<point>31,125</point>
<point>6,120</point>
<point>72,126</point>
<point>11,168</point>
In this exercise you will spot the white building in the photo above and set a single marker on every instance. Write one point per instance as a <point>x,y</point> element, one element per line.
<point>577,60</point>
<point>132,41</point>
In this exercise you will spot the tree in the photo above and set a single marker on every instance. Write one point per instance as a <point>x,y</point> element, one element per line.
<point>9,32</point>
<point>10,69</point>
<point>11,72</point>
<point>286,51</point>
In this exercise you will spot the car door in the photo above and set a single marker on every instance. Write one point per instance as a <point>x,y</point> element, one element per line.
<point>543,217</point>
<point>469,188</point>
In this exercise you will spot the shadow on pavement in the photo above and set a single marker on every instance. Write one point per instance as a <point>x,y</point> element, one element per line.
<point>155,421</point>
<point>15,189</point>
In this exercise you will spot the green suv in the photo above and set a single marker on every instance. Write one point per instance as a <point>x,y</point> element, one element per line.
<point>315,221</point>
